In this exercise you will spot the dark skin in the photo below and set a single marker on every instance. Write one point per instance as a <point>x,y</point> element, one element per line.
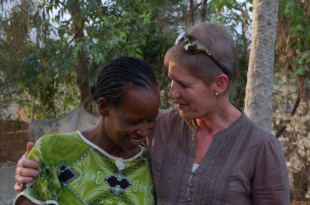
<point>133,119</point>
<point>121,128</point>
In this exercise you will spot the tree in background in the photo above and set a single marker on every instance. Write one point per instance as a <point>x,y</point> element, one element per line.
<point>23,32</point>
<point>291,119</point>
<point>234,15</point>
<point>258,100</point>
<point>69,40</point>
<point>66,53</point>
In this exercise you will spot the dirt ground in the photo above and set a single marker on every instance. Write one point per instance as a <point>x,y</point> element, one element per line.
<point>7,181</point>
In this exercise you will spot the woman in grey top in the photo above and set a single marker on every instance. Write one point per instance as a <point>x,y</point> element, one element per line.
<point>207,151</point>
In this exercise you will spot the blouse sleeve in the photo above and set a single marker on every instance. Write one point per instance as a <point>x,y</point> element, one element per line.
<point>46,188</point>
<point>270,184</point>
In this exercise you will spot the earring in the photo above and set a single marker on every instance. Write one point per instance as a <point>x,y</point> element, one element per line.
<point>216,94</point>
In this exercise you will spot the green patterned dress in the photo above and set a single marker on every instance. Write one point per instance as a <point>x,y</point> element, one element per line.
<point>75,171</point>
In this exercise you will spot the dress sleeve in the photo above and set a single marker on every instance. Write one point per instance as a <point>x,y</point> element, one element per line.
<point>270,184</point>
<point>46,188</point>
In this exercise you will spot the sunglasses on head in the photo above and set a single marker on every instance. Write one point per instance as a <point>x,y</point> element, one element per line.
<point>192,46</point>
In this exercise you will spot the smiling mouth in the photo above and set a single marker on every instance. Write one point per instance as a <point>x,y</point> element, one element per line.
<point>180,105</point>
<point>135,140</point>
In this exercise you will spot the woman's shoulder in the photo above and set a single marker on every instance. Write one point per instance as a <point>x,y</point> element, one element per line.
<point>168,114</point>
<point>56,148</point>
<point>168,111</point>
<point>72,136</point>
<point>260,137</point>
<point>57,142</point>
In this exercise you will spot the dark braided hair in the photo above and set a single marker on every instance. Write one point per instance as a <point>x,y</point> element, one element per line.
<point>119,73</point>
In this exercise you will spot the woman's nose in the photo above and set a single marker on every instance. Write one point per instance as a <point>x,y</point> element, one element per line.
<point>144,130</point>
<point>173,93</point>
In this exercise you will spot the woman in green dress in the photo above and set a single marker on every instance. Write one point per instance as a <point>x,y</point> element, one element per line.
<point>105,164</point>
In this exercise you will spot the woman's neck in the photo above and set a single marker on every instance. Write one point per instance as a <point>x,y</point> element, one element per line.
<point>220,119</point>
<point>209,125</point>
<point>96,135</point>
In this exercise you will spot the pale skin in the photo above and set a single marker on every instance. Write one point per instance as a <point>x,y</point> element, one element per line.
<point>218,112</point>
<point>196,99</point>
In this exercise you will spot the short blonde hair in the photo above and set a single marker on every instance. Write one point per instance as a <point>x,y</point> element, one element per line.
<point>220,43</point>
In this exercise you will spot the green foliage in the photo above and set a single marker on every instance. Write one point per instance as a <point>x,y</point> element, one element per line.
<point>291,98</point>
<point>297,13</point>
<point>50,62</point>
<point>220,4</point>
<point>29,64</point>
<point>228,15</point>
<point>237,97</point>
<point>52,38</point>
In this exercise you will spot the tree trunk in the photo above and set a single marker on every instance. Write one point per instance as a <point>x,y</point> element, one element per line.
<point>203,12</point>
<point>258,100</point>
<point>82,59</point>
<point>303,92</point>
<point>191,11</point>
<point>244,25</point>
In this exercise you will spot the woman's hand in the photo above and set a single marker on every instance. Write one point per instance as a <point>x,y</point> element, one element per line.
<point>23,172</point>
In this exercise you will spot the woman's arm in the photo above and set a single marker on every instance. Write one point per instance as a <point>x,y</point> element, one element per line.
<point>271,183</point>
<point>23,172</point>
<point>46,187</point>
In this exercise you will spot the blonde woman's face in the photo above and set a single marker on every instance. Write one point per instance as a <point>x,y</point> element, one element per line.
<point>194,97</point>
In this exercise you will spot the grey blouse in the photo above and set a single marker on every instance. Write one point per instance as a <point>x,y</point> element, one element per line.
<point>244,164</point>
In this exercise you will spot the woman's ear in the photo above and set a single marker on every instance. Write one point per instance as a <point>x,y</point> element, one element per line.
<point>103,106</point>
<point>221,83</point>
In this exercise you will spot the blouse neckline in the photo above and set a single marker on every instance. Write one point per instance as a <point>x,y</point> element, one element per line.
<point>107,154</point>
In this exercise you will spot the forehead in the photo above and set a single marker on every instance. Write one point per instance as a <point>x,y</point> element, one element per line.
<point>140,102</point>
<point>183,75</point>
<point>179,71</point>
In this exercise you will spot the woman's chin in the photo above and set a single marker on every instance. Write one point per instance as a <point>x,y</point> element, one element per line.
<point>186,115</point>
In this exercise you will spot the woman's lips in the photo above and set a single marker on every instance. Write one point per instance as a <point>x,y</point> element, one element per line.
<point>135,140</point>
<point>180,105</point>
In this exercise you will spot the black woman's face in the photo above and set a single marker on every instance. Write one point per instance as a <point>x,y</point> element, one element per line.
<point>128,123</point>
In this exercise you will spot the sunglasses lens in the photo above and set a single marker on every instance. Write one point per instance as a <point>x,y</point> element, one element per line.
<point>191,48</point>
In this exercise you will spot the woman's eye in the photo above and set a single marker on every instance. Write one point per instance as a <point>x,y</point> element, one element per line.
<point>183,86</point>
<point>151,120</point>
<point>133,122</point>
